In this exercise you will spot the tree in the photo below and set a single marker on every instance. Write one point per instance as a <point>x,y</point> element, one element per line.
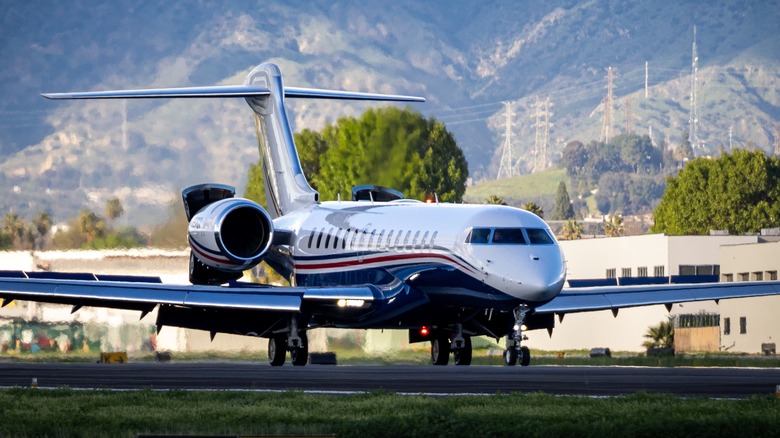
<point>114,209</point>
<point>684,151</point>
<point>41,226</point>
<point>533,208</point>
<point>495,199</point>
<point>737,192</point>
<point>661,335</point>
<point>90,225</point>
<point>17,234</point>
<point>614,227</point>
<point>392,147</point>
<point>563,208</point>
<point>572,230</point>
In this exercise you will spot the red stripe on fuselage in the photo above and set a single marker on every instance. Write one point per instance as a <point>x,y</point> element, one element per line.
<point>380,259</point>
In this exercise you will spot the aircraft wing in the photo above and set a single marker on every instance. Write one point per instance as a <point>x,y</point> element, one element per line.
<point>145,293</point>
<point>613,298</point>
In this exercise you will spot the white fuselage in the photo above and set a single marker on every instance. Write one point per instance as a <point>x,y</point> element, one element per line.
<point>407,237</point>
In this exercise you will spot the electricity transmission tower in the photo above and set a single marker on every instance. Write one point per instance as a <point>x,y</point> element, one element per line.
<point>542,126</point>
<point>693,118</point>
<point>506,167</point>
<point>606,129</point>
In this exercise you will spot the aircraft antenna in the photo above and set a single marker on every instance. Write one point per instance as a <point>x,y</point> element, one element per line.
<point>693,119</point>
<point>506,167</point>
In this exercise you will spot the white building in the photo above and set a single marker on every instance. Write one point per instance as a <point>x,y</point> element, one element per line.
<point>748,323</point>
<point>631,256</point>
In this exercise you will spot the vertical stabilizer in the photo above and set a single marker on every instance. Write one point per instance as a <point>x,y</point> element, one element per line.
<point>286,187</point>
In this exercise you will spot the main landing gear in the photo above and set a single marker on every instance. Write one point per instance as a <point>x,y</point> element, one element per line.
<point>295,341</point>
<point>514,352</point>
<point>459,345</point>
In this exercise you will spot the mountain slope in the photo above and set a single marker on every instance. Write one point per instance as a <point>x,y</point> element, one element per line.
<point>466,59</point>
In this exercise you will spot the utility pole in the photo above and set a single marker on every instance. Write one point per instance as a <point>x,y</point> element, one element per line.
<point>506,167</point>
<point>731,138</point>
<point>606,129</point>
<point>629,115</point>
<point>647,76</point>
<point>777,138</point>
<point>693,119</point>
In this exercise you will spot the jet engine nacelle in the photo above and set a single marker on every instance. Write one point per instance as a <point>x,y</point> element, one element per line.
<point>231,234</point>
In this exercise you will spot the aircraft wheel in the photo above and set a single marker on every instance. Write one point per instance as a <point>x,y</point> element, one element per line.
<point>277,350</point>
<point>525,356</point>
<point>440,350</point>
<point>510,356</point>
<point>463,355</point>
<point>300,355</point>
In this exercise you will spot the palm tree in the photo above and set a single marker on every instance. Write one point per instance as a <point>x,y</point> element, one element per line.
<point>495,199</point>
<point>14,229</point>
<point>661,335</point>
<point>614,227</point>
<point>533,208</point>
<point>572,230</point>
<point>41,227</point>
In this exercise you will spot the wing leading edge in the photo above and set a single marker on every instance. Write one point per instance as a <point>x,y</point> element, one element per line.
<point>145,295</point>
<point>613,298</point>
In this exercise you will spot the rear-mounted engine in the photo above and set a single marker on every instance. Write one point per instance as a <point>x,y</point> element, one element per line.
<point>227,235</point>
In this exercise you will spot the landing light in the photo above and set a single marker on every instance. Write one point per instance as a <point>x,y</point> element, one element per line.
<point>350,303</point>
<point>519,327</point>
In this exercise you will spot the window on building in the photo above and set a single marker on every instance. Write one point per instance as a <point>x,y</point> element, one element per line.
<point>743,276</point>
<point>699,269</point>
<point>659,271</point>
<point>771,275</point>
<point>726,326</point>
<point>641,271</point>
<point>611,273</point>
<point>742,325</point>
<point>757,276</point>
<point>727,278</point>
<point>625,272</point>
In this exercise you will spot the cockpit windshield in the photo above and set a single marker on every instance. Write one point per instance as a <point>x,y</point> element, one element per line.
<point>509,236</point>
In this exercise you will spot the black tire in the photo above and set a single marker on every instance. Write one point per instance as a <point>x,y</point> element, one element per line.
<point>440,350</point>
<point>510,356</point>
<point>525,356</point>
<point>300,355</point>
<point>277,350</point>
<point>463,355</point>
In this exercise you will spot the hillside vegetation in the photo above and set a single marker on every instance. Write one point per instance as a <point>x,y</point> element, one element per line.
<point>466,60</point>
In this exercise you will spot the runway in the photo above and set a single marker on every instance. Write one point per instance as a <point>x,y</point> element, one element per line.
<point>590,381</point>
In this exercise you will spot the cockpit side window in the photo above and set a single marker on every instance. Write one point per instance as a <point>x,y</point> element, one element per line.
<point>508,236</point>
<point>539,236</point>
<point>478,235</point>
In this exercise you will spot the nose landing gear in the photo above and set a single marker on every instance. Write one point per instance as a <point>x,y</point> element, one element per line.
<point>514,351</point>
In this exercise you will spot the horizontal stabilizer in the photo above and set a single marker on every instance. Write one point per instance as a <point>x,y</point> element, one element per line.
<point>229,91</point>
<point>153,93</point>
<point>318,93</point>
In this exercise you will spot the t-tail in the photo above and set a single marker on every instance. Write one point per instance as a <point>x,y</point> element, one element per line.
<point>285,183</point>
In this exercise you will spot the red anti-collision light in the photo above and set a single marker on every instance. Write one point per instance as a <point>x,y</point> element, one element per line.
<point>424,331</point>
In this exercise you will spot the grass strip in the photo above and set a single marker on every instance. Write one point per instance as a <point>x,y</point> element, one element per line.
<point>65,413</point>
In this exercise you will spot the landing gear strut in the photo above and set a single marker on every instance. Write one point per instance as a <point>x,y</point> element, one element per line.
<point>295,341</point>
<point>514,351</point>
<point>459,345</point>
